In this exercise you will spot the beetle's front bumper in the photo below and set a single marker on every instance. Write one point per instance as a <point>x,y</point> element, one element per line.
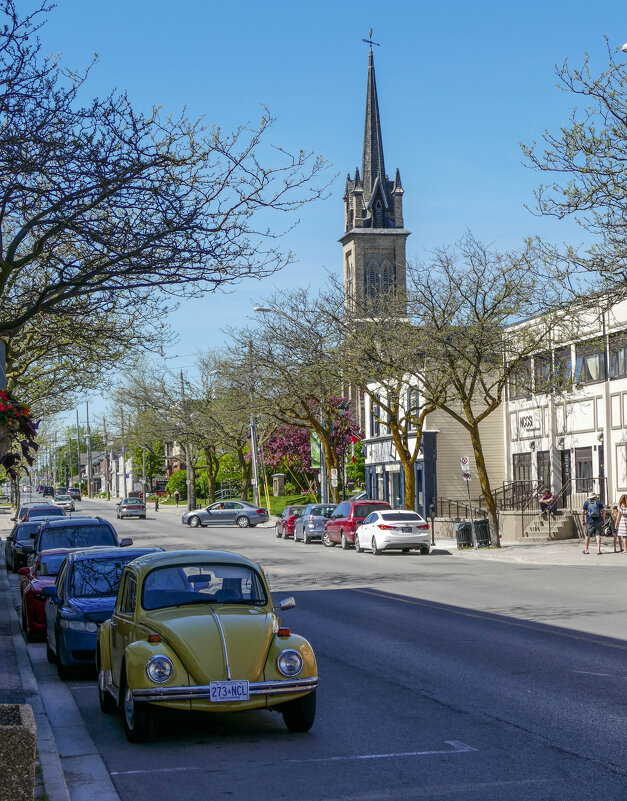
<point>280,687</point>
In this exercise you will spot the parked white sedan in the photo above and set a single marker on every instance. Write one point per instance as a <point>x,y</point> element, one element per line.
<point>393,529</point>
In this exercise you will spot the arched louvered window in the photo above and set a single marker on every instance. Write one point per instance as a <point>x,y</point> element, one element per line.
<point>378,215</point>
<point>372,275</point>
<point>386,276</point>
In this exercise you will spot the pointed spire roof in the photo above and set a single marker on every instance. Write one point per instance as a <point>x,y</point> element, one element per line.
<point>373,166</point>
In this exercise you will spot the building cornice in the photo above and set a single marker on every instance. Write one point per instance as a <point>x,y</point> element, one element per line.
<point>373,232</point>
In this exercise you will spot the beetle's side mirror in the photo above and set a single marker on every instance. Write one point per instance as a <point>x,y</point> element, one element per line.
<point>126,542</point>
<point>287,603</point>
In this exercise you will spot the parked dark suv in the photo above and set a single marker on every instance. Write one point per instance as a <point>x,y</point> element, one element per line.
<point>76,532</point>
<point>74,493</point>
<point>346,518</point>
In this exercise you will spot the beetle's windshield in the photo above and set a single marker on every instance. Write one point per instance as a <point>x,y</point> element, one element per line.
<point>203,583</point>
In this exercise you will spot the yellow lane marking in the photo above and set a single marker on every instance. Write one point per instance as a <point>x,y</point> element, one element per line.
<point>484,616</point>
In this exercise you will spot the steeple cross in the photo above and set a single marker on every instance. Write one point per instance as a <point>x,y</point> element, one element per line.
<point>369,41</point>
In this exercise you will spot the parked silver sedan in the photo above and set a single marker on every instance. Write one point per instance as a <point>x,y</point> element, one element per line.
<point>226,513</point>
<point>393,529</point>
<point>312,522</point>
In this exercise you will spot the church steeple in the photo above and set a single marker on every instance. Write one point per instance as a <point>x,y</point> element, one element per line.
<point>373,165</point>
<point>374,233</point>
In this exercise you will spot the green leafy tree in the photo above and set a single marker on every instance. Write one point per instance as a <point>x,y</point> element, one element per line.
<point>178,481</point>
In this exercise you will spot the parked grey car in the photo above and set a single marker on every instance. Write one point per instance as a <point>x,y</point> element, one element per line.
<point>312,522</point>
<point>226,513</point>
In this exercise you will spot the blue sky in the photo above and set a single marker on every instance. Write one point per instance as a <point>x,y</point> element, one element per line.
<point>460,85</point>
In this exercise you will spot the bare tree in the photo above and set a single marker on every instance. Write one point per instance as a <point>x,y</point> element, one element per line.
<point>101,201</point>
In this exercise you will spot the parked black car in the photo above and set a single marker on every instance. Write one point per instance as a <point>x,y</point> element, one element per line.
<point>76,532</point>
<point>19,545</point>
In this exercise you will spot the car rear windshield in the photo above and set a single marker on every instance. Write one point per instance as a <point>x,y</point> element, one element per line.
<point>49,511</point>
<point>392,516</point>
<point>200,584</point>
<point>26,531</point>
<point>132,502</point>
<point>97,578</point>
<point>50,564</point>
<point>364,509</point>
<point>76,537</point>
<point>323,511</point>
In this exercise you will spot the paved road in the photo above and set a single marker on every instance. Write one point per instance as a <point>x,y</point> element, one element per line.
<point>440,678</point>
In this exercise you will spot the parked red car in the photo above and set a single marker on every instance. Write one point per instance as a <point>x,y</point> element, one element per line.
<point>345,519</point>
<point>285,524</point>
<point>34,579</point>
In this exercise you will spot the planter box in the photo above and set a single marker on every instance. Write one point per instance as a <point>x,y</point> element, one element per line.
<point>18,747</point>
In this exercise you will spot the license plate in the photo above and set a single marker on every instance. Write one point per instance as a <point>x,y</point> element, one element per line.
<point>406,529</point>
<point>224,691</point>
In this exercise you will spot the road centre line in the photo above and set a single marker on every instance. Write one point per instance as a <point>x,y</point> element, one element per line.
<point>457,747</point>
<point>492,617</point>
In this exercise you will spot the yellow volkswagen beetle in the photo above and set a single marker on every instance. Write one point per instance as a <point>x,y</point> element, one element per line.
<point>197,630</point>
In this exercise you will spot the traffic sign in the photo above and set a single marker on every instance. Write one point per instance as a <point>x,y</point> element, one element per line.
<point>465,465</point>
<point>334,477</point>
<point>465,476</point>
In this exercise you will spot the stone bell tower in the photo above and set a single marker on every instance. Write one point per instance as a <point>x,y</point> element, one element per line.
<point>374,235</point>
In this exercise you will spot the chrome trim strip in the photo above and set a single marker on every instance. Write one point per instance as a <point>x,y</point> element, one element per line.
<point>202,691</point>
<point>226,653</point>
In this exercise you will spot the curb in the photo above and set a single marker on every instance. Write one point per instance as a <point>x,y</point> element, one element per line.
<point>54,708</point>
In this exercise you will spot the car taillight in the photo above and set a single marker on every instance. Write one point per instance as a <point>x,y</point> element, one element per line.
<point>387,528</point>
<point>311,519</point>
<point>424,526</point>
<point>263,511</point>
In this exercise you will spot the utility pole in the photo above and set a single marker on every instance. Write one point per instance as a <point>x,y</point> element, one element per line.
<point>188,468</point>
<point>144,498</point>
<point>88,438</point>
<point>78,445</point>
<point>107,462</point>
<point>123,456</point>
<point>253,428</point>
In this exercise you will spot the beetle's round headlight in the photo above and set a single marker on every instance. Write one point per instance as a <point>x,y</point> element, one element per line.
<point>290,662</point>
<point>159,669</point>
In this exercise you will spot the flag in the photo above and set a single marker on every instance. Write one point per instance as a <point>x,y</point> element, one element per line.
<point>354,441</point>
<point>314,443</point>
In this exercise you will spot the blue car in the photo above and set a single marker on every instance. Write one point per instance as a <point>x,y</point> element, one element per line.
<point>82,598</point>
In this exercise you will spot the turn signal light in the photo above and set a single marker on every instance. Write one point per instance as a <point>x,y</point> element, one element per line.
<point>387,528</point>
<point>154,638</point>
<point>283,632</point>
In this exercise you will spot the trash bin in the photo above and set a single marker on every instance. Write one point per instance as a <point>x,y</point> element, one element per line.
<point>463,533</point>
<point>482,533</point>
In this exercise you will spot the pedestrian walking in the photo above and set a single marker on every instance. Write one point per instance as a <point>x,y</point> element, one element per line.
<point>177,495</point>
<point>593,518</point>
<point>621,525</point>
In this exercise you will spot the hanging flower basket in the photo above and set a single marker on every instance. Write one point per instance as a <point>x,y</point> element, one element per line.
<point>17,433</point>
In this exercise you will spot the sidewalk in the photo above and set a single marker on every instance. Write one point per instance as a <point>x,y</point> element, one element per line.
<point>71,766</point>
<point>559,552</point>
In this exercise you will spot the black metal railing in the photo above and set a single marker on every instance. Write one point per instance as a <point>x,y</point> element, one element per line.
<point>450,507</point>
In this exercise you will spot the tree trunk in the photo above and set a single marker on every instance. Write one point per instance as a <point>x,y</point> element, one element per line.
<point>485,484</point>
<point>332,462</point>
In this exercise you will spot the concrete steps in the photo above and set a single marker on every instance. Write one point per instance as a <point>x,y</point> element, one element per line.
<point>538,530</point>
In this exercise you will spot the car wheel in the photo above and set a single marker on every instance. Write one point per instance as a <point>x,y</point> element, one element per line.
<point>299,715</point>
<point>50,654</point>
<point>306,539</point>
<point>327,541</point>
<point>14,566</point>
<point>358,547</point>
<point>279,534</point>
<point>194,521</point>
<point>137,718</point>
<point>63,671</point>
<point>405,550</point>
<point>375,550</point>
<point>143,517</point>
<point>30,637</point>
<point>344,544</point>
<point>243,521</point>
<point>424,550</point>
<point>106,700</point>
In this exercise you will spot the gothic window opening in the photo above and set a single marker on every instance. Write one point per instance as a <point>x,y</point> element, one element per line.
<point>371,280</point>
<point>386,277</point>
<point>378,215</point>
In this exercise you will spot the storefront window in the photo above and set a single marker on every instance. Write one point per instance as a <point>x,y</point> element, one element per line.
<point>618,356</point>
